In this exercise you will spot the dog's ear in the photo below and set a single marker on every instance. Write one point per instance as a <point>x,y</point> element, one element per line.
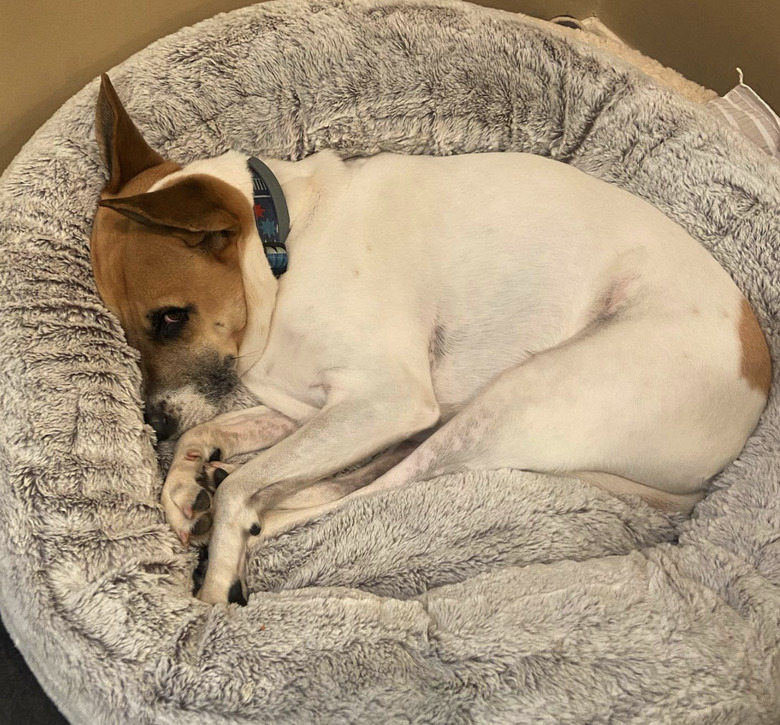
<point>193,209</point>
<point>122,147</point>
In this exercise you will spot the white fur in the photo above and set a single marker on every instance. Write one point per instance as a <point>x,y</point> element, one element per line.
<point>533,316</point>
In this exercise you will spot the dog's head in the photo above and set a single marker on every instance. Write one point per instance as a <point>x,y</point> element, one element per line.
<point>168,248</point>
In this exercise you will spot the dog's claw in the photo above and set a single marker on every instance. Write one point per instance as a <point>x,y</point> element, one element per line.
<point>202,501</point>
<point>236,594</point>
<point>220,474</point>
<point>184,537</point>
<point>202,525</point>
<point>217,472</point>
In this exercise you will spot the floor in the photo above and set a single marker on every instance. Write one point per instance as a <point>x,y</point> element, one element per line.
<point>22,701</point>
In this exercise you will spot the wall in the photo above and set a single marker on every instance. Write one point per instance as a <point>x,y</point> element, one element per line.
<point>705,40</point>
<point>49,49</point>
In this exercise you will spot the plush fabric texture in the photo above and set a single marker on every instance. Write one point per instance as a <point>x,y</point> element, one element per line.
<point>494,597</point>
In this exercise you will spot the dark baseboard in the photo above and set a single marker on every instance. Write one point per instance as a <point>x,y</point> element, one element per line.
<point>22,700</point>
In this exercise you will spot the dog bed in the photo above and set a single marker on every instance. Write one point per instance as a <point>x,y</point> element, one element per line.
<point>501,596</point>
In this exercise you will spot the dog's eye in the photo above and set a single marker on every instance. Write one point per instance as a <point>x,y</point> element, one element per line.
<point>176,316</point>
<point>168,323</point>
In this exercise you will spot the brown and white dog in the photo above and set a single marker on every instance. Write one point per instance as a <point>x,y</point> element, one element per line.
<point>482,311</point>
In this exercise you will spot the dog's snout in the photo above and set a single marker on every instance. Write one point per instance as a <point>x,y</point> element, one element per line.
<point>163,424</point>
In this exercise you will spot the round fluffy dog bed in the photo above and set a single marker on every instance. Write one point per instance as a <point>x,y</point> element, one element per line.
<point>499,597</point>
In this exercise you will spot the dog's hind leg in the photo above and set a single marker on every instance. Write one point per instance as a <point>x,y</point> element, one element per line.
<point>646,407</point>
<point>658,400</point>
<point>300,505</point>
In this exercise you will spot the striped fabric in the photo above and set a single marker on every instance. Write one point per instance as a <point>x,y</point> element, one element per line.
<point>744,109</point>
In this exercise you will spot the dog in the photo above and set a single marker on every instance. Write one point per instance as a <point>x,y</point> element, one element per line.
<point>439,314</point>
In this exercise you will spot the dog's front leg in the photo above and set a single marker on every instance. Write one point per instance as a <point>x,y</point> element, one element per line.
<point>185,497</point>
<point>307,503</point>
<point>340,435</point>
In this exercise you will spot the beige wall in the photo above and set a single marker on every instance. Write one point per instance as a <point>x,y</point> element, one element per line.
<point>705,39</point>
<point>51,48</point>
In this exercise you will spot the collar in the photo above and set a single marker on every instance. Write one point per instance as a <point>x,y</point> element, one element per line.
<point>271,216</point>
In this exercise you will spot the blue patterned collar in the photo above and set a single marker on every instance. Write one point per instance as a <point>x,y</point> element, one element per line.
<point>271,215</point>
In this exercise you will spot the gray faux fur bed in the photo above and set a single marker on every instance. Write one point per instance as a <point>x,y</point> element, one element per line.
<point>499,597</point>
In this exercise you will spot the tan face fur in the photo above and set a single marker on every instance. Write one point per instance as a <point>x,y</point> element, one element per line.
<point>166,262</point>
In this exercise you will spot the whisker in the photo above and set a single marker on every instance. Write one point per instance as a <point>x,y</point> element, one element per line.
<point>247,354</point>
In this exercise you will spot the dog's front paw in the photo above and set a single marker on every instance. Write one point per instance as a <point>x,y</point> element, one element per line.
<point>187,500</point>
<point>187,507</point>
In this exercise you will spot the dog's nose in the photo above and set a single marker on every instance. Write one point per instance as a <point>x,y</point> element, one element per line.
<point>163,424</point>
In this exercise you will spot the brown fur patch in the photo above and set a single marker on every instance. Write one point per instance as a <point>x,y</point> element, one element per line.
<point>147,179</point>
<point>197,203</point>
<point>756,365</point>
<point>143,266</point>
<point>178,248</point>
